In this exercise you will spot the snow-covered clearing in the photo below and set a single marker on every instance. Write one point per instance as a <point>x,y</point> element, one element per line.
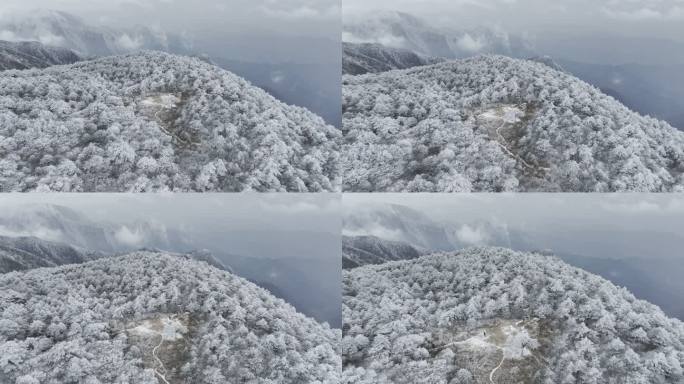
<point>162,339</point>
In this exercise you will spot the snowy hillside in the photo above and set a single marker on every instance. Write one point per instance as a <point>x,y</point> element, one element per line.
<point>363,250</point>
<point>491,315</point>
<point>22,253</point>
<point>358,59</point>
<point>31,54</point>
<point>152,121</point>
<point>154,318</point>
<point>402,30</point>
<point>397,223</point>
<point>493,123</point>
<point>69,31</point>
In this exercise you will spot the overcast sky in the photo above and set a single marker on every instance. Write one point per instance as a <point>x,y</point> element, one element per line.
<point>589,224</point>
<point>296,212</point>
<point>252,26</point>
<point>261,225</point>
<point>655,18</point>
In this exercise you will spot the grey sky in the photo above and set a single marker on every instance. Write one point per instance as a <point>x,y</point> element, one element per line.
<point>628,211</point>
<point>260,225</point>
<point>296,212</point>
<point>654,18</point>
<point>248,28</point>
<point>566,222</point>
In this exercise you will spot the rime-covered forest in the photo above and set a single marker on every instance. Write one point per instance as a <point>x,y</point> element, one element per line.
<point>363,250</point>
<point>148,316</point>
<point>493,123</point>
<point>31,54</point>
<point>358,59</point>
<point>496,315</point>
<point>152,121</point>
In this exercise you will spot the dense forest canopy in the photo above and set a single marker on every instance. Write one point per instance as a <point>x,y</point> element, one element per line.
<point>97,323</point>
<point>152,121</point>
<point>436,319</point>
<point>493,123</point>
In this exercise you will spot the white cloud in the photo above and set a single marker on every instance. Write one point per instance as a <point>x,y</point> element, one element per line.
<point>129,43</point>
<point>38,231</point>
<point>128,237</point>
<point>472,235</point>
<point>470,44</point>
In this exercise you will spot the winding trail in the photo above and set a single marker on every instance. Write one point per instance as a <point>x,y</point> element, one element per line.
<point>491,374</point>
<point>154,354</point>
<point>501,140</point>
<point>173,135</point>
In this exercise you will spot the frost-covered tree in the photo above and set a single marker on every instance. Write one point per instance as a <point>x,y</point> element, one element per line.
<point>466,316</point>
<point>151,121</point>
<point>493,123</point>
<point>102,322</point>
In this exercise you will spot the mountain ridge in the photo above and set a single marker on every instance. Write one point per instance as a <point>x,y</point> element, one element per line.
<point>153,121</point>
<point>117,308</point>
<point>494,123</point>
<point>487,312</point>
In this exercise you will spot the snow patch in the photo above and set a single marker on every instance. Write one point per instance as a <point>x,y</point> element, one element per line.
<point>505,114</point>
<point>169,328</point>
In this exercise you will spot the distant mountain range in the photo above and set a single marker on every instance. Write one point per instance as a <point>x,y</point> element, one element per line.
<point>374,58</point>
<point>495,315</point>
<point>30,54</point>
<point>364,250</point>
<point>23,253</point>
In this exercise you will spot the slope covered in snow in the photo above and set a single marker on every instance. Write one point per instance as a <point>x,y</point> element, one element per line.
<point>492,315</point>
<point>31,54</point>
<point>358,59</point>
<point>153,121</point>
<point>155,318</point>
<point>22,253</point>
<point>363,250</point>
<point>493,123</point>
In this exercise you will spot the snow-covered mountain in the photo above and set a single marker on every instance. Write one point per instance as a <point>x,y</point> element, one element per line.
<point>363,58</point>
<point>31,54</point>
<point>402,30</point>
<point>23,253</point>
<point>396,222</point>
<point>494,315</point>
<point>152,121</point>
<point>493,123</point>
<point>65,30</point>
<point>364,250</point>
<point>155,317</point>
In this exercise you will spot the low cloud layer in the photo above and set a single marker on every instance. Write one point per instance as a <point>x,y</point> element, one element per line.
<point>655,18</point>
